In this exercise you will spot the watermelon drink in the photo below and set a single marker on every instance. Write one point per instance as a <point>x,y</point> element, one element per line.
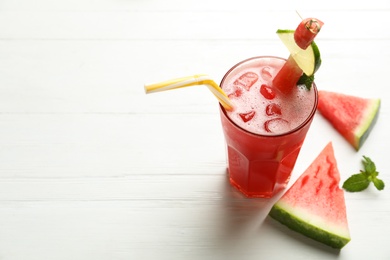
<point>266,106</point>
<point>265,131</point>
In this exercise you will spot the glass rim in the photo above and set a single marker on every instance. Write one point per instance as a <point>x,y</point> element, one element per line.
<point>296,129</point>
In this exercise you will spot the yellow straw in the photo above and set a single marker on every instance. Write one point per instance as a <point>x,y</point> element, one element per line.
<point>200,79</point>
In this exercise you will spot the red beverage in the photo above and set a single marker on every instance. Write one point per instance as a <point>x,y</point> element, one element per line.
<point>265,131</point>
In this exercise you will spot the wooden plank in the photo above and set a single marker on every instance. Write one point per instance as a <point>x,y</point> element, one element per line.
<point>108,76</point>
<point>194,5</point>
<point>109,145</point>
<point>187,25</point>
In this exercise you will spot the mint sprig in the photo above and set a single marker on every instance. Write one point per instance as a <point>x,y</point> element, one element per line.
<point>360,181</point>
<point>306,80</point>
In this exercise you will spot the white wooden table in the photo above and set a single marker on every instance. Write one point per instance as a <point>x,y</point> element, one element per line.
<point>92,168</point>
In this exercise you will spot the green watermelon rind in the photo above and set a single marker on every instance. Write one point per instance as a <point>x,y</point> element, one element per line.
<point>362,132</point>
<point>296,223</point>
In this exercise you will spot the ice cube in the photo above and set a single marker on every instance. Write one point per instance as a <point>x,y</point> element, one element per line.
<point>236,92</point>
<point>246,80</point>
<point>276,125</point>
<point>267,92</point>
<point>273,109</point>
<point>247,116</point>
<point>265,73</point>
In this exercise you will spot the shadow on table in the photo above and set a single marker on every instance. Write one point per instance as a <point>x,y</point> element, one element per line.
<point>241,215</point>
<point>245,220</point>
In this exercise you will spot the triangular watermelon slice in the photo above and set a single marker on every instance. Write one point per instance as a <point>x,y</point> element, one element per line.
<point>353,117</point>
<point>314,205</point>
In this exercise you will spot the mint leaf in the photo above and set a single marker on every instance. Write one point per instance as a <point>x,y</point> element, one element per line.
<point>360,181</point>
<point>306,80</point>
<point>379,184</point>
<point>369,166</point>
<point>356,182</point>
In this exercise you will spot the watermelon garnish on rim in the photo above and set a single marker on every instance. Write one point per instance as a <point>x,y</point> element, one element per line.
<point>307,31</point>
<point>314,205</point>
<point>353,117</point>
<point>304,59</point>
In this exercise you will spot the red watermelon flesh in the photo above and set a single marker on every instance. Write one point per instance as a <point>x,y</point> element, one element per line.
<point>306,31</point>
<point>288,76</point>
<point>353,117</point>
<point>314,205</point>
